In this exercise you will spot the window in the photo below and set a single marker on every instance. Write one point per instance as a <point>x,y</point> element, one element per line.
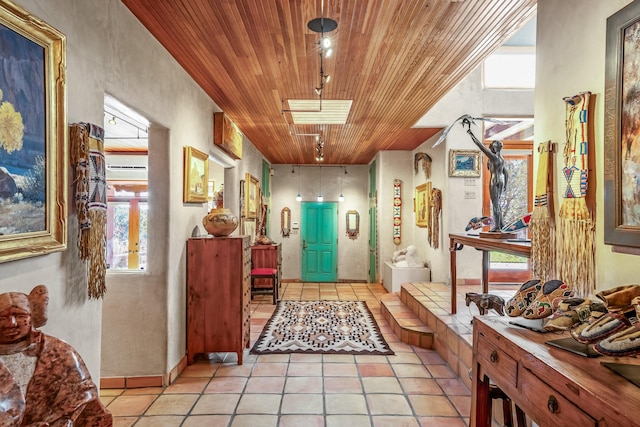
<point>127,215</point>
<point>510,68</point>
<point>126,135</point>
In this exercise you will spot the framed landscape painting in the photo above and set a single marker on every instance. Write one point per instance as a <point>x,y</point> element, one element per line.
<point>33,135</point>
<point>464,163</point>
<point>196,175</point>
<point>423,194</point>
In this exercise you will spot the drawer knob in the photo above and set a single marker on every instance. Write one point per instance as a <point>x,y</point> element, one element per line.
<point>494,356</point>
<point>552,404</point>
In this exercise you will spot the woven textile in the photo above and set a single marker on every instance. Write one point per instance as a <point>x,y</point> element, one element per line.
<point>87,149</point>
<point>541,227</point>
<point>338,327</point>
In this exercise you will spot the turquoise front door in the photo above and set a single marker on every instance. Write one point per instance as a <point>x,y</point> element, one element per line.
<point>319,231</point>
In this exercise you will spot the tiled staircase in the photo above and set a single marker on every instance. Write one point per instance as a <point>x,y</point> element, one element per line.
<point>419,315</point>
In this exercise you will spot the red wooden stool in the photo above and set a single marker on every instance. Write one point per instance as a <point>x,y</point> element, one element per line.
<point>265,273</point>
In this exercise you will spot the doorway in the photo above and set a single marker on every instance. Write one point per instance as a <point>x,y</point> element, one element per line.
<point>319,231</point>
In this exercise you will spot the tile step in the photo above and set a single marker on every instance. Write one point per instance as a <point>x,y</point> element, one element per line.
<point>405,323</point>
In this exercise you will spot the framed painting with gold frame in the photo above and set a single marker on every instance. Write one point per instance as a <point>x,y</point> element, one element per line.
<point>464,163</point>
<point>33,216</point>
<point>196,175</point>
<point>421,205</point>
<point>252,196</point>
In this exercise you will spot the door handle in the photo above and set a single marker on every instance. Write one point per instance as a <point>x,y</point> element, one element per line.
<point>304,244</point>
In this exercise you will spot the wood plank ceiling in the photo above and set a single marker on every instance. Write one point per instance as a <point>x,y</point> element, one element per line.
<point>393,58</point>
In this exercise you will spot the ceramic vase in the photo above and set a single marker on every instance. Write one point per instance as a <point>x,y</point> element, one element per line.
<point>220,222</point>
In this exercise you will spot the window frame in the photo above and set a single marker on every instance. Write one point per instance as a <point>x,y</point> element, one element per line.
<point>136,187</point>
<point>520,149</point>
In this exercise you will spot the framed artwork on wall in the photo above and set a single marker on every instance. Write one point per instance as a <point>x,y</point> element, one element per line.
<point>33,160</point>
<point>196,176</point>
<point>422,197</point>
<point>622,129</point>
<point>252,196</point>
<point>227,136</point>
<point>464,163</point>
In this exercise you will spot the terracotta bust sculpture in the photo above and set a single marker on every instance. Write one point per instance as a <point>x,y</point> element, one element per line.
<point>43,380</point>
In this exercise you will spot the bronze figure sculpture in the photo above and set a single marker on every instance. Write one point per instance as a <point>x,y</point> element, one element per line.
<point>495,164</point>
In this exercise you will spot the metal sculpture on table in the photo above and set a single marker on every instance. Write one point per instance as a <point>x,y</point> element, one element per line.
<point>496,165</point>
<point>485,302</point>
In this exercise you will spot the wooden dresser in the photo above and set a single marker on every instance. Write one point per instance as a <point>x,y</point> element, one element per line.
<point>218,295</point>
<point>267,256</point>
<point>554,387</point>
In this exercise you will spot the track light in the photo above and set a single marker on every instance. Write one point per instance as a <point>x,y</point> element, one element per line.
<point>320,151</point>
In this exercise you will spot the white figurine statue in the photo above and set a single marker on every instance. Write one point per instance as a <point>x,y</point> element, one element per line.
<point>407,257</point>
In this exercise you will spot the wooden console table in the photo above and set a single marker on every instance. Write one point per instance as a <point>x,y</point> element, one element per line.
<point>458,241</point>
<point>554,387</point>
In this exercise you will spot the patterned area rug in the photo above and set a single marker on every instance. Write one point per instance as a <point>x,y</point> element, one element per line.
<point>338,327</point>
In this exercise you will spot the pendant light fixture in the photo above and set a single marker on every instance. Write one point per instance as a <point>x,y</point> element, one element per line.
<point>341,197</point>
<point>320,198</point>
<point>298,197</point>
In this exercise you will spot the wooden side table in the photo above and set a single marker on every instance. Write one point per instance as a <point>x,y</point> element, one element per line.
<point>552,386</point>
<point>458,241</point>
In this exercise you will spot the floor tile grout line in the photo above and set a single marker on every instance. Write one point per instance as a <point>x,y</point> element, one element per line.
<point>259,305</point>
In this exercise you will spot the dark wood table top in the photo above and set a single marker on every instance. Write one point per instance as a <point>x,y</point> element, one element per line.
<point>521,248</point>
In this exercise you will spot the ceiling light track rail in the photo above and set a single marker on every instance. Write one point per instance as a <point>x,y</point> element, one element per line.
<point>135,125</point>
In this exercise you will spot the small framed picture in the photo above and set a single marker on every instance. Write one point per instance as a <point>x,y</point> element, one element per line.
<point>252,196</point>
<point>196,176</point>
<point>464,163</point>
<point>421,204</point>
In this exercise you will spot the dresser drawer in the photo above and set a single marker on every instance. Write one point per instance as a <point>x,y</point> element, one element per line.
<point>548,407</point>
<point>496,363</point>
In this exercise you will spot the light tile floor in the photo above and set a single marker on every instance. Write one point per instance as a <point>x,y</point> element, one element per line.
<point>414,387</point>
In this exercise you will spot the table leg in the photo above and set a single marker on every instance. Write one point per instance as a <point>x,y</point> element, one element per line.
<point>480,402</point>
<point>453,248</point>
<point>485,271</point>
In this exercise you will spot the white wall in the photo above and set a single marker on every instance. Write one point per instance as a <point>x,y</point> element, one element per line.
<point>392,165</point>
<point>571,59</point>
<point>353,258</point>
